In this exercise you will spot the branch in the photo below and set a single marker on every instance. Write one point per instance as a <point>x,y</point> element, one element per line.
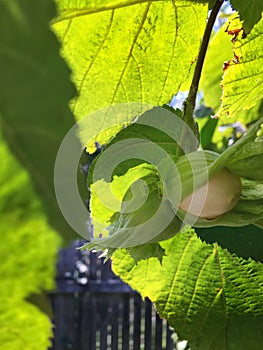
<point>189,104</point>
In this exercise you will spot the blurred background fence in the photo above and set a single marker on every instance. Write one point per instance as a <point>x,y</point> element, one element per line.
<point>94,310</point>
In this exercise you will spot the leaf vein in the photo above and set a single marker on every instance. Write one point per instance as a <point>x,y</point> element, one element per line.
<point>75,12</point>
<point>94,59</point>
<point>130,53</point>
<point>184,251</point>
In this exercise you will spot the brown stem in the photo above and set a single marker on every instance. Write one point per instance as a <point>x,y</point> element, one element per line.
<point>189,104</point>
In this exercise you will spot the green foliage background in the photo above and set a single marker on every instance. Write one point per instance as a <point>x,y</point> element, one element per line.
<point>28,253</point>
<point>211,295</point>
<point>35,90</point>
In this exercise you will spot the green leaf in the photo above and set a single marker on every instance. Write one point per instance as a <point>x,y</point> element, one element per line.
<point>245,242</point>
<point>28,253</point>
<point>35,90</point>
<point>27,265</point>
<point>230,129</point>
<point>115,49</point>
<point>249,11</point>
<point>207,132</point>
<point>23,326</point>
<point>145,251</point>
<point>146,127</point>
<point>102,205</point>
<point>219,51</point>
<point>29,246</point>
<point>211,298</point>
<point>243,78</point>
<point>245,117</point>
<point>220,54</point>
<point>245,157</point>
<point>126,192</point>
<point>143,218</point>
<point>259,223</point>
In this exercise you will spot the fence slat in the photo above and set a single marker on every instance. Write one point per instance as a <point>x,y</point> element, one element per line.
<point>115,324</point>
<point>137,322</point>
<point>169,341</point>
<point>158,332</point>
<point>148,325</point>
<point>95,310</point>
<point>64,307</point>
<point>104,320</point>
<point>126,323</point>
<point>83,315</point>
<point>88,322</point>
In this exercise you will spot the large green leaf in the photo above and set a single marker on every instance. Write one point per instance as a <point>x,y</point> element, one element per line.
<point>220,55</point>
<point>29,246</point>
<point>35,90</point>
<point>212,298</point>
<point>22,326</point>
<point>28,253</point>
<point>243,79</point>
<point>249,11</point>
<point>219,51</point>
<point>125,51</point>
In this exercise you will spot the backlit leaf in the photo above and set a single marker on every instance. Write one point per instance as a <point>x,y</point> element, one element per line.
<point>219,51</point>
<point>23,326</point>
<point>125,51</point>
<point>211,298</point>
<point>28,254</point>
<point>242,81</point>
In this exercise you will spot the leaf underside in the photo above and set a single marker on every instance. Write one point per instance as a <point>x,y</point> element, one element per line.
<point>28,254</point>
<point>249,11</point>
<point>35,91</point>
<point>212,298</point>
<point>132,38</point>
<point>242,81</point>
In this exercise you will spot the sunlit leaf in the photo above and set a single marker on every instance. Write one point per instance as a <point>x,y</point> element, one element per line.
<point>125,51</point>
<point>28,254</point>
<point>212,298</point>
<point>219,51</point>
<point>245,157</point>
<point>23,326</point>
<point>242,81</point>
<point>29,246</point>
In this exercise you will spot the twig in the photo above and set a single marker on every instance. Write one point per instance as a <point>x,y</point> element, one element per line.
<point>189,104</point>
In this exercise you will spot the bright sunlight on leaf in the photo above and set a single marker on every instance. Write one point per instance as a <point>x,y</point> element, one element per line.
<point>242,81</point>
<point>65,59</point>
<point>28,253</point>
<point>212,298</point>
<point>129,50</point>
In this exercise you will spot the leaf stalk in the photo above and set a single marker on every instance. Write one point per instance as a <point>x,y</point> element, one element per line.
<point>189,103</point>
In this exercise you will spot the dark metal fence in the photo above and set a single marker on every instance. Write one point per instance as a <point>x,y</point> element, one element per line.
<point>95,310</point>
